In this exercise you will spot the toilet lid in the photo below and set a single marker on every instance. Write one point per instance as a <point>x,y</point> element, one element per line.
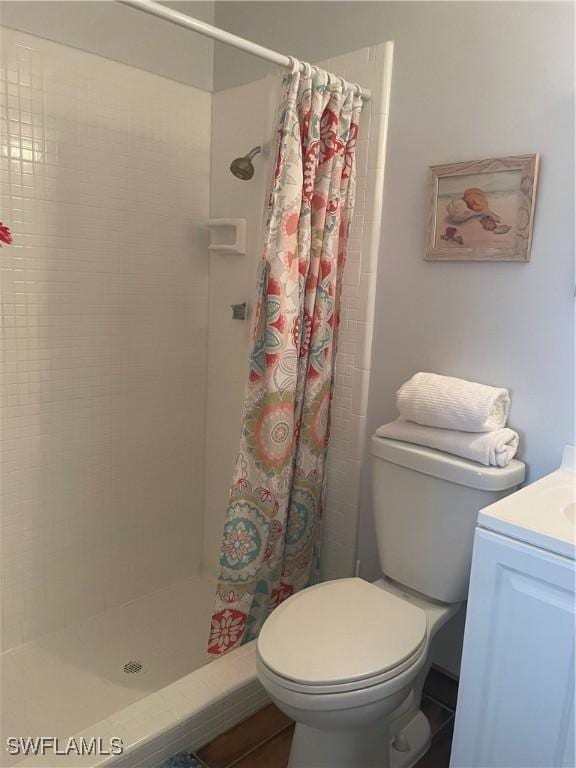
<point>340,631</point>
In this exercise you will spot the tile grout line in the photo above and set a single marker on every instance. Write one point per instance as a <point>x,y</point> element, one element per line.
<point>440,728</point>
<point>440,703</point>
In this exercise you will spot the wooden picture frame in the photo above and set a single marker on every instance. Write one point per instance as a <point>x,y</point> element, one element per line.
<point>482,210</point>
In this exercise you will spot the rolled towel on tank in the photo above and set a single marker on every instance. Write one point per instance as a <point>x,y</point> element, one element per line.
<point>449,403</point>
<point>495,448</point>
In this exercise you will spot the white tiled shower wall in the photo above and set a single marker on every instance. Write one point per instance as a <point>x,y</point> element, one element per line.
<point>242,118</point>
<point>347,454</point>
<point>240,115</point>
<point>105,184</point>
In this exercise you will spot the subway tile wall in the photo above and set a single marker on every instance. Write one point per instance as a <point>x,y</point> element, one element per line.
<point>251,109</point>
<point>108,295</point>
<point>347,453</point>
<point>105,184</point>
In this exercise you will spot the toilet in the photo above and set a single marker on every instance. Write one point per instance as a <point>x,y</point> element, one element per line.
<point>347,659</point>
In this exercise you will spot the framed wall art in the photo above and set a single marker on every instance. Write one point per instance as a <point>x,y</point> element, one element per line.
<point>482,210</point>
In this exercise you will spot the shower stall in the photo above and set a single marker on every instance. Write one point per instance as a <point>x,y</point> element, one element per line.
<point>123,379</point>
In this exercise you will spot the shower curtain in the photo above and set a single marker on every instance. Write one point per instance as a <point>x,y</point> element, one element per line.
<point>270,543</point>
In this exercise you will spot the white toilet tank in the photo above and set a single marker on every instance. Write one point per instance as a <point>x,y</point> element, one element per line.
<point>425,507</point>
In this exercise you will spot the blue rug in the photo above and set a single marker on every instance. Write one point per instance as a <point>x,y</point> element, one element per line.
<point>181,760</point>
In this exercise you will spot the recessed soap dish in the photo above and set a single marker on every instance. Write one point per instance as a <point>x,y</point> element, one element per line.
<point>227,235</point>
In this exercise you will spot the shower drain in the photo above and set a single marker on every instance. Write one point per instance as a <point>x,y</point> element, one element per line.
<point>133,667</point>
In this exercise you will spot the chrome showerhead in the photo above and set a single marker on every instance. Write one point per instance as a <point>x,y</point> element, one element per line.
<point>243,167</point>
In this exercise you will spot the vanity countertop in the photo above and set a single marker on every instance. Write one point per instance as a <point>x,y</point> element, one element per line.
<point>543,513</point>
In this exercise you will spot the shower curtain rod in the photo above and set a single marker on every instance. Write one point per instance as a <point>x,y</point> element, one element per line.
<point>155,9</point>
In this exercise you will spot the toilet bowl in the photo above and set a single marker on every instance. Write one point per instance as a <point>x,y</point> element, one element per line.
<point>347,659</point>
<point>343,660</point>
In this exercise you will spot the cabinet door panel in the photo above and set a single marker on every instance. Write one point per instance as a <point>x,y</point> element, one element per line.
<point>515,707</point>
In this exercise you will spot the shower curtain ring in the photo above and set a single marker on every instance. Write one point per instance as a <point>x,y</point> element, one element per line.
<point>295,65</point>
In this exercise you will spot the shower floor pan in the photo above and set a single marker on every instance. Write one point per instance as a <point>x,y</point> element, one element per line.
<point>138,673</point>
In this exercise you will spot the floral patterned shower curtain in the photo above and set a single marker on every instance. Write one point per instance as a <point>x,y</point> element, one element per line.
<point>270,545</point>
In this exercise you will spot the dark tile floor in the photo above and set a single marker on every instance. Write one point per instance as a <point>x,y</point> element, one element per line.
<point>439,704</point>
<point>263,740</point>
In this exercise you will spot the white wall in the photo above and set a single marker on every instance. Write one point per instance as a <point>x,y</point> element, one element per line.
<point>105,184</point>
<point>120,33</point>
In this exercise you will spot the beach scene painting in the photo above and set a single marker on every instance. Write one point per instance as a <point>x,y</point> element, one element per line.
<point>482,210</point>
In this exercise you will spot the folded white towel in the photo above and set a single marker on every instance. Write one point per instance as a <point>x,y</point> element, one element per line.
<point>449,403</point>
<point>494,448</point>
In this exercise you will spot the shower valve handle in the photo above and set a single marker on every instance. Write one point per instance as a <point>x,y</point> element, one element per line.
<point>239,311</point>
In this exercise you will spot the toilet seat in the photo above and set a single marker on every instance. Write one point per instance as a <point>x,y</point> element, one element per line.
<point>364,684</point>
<point>339,636</point>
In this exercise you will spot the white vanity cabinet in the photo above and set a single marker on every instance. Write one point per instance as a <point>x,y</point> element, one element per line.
<point>516,697</point>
